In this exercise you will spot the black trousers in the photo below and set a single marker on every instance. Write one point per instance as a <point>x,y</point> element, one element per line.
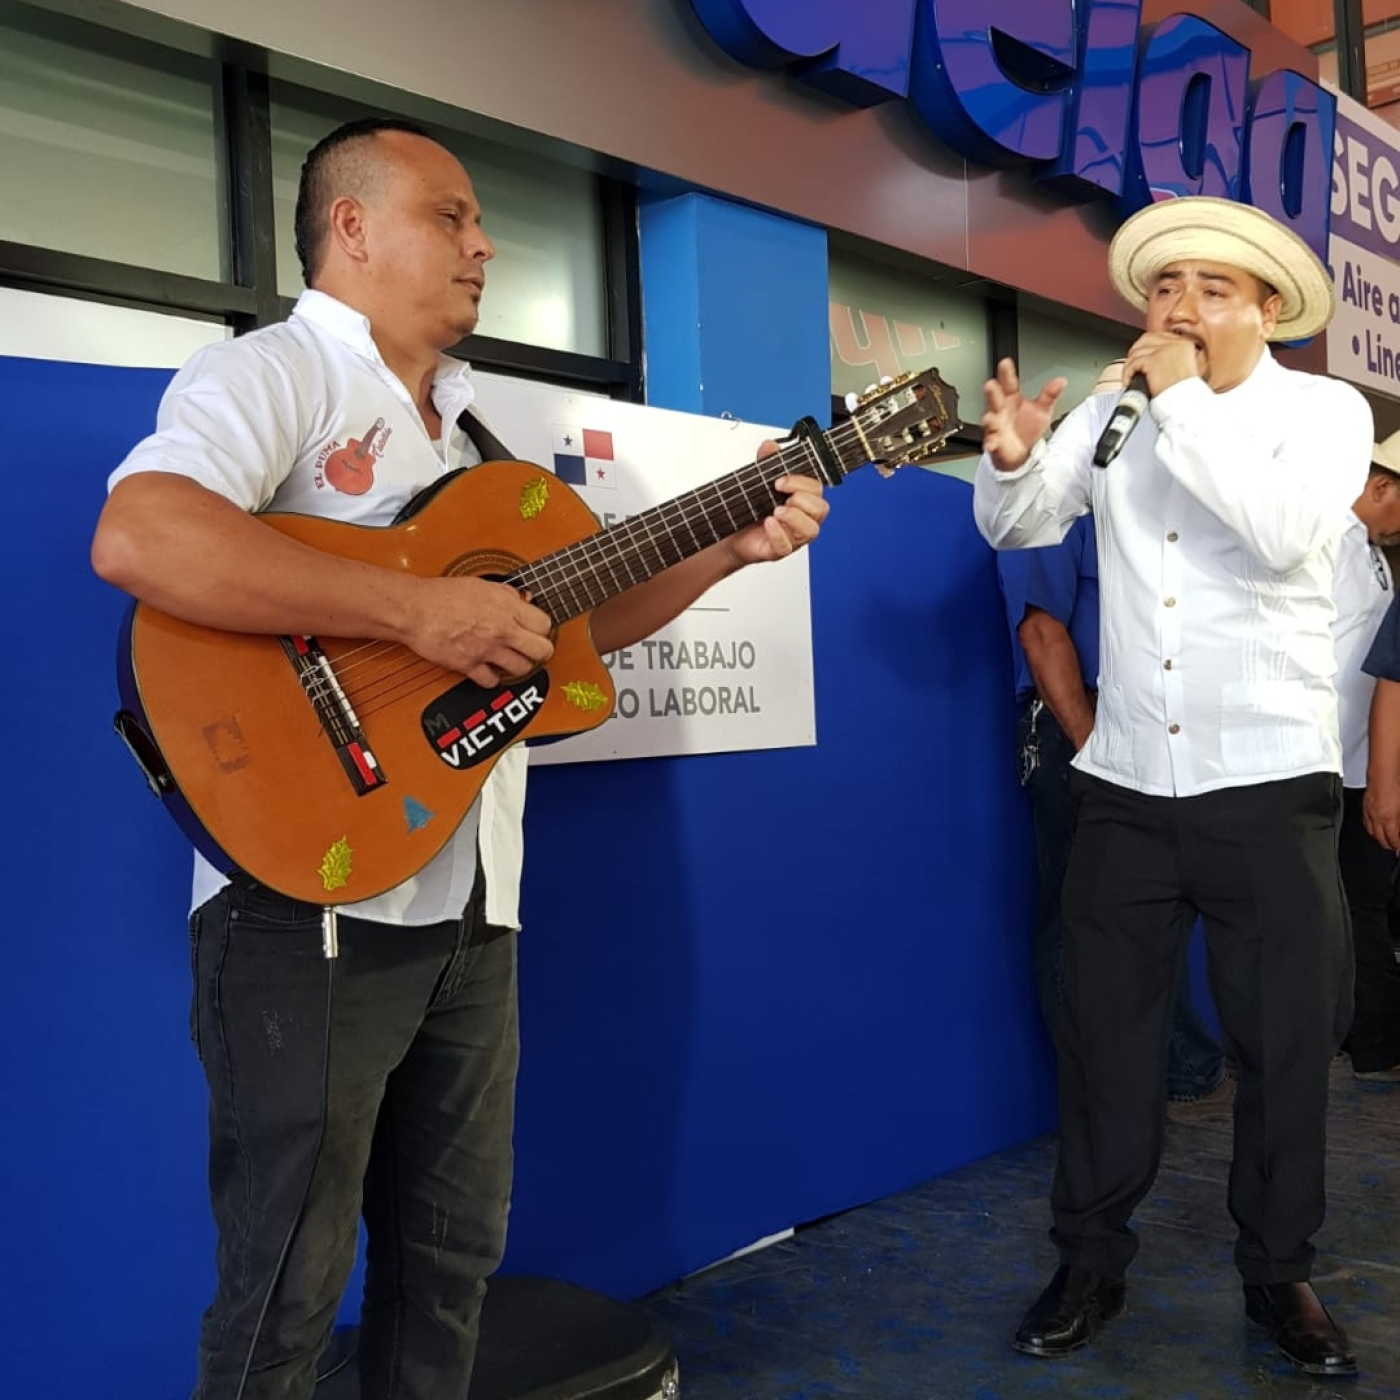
<point>1259,865</point>
<point>408,1124</point>
<point>1368,875</point>
<point>1045,756</point>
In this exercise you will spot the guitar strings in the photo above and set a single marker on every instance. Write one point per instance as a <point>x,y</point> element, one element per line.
<point>560,573</point>
<point>569,577</point>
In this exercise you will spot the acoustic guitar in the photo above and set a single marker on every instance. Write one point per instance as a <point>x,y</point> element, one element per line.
<point>333,769</point>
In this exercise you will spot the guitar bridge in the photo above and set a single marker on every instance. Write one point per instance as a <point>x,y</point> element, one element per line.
<point>337,716</point>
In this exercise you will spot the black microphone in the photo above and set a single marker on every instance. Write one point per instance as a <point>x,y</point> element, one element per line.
<point>1130,407</point>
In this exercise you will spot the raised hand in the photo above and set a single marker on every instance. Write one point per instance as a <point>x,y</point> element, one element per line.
<point>1013,423</point>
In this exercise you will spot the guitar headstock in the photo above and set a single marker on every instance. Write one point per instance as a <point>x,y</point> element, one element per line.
<point>903,422</point>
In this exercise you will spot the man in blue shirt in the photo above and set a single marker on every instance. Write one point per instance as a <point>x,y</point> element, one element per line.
<point>1374,1042</point>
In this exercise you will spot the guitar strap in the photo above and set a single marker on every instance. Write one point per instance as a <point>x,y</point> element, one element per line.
<point>492,449</point>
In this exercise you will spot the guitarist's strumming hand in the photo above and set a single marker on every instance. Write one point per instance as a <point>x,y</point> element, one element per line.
<point>482,630</point>
<point>1013,424</point>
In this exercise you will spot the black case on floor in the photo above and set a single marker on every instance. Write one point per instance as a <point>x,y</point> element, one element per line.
<point>545,1340</point>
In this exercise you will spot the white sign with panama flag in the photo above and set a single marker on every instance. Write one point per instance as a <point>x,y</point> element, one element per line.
<point>734,671</point>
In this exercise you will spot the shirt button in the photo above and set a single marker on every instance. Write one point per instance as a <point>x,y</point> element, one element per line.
<point>1173,537</point>
<point>1173,729</point>
<point>1167,665</point>
<point>1170,602</point>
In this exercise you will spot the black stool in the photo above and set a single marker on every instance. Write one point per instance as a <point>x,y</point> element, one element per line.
<point>544,1340</point>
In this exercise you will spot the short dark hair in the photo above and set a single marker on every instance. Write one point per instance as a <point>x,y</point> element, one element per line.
<point>320,174</point>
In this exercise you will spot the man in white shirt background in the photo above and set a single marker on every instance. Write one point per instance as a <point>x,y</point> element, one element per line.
<point>388,1086</point>
<point>1211,783</point>
<point>1363,591</point>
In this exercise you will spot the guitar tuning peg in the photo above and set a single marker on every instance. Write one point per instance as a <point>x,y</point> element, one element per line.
<point>869,389</point>
<point>852,401</point>
<point>886,379</point>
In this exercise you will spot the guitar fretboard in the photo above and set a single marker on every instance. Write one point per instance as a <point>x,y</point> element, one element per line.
<point>578,578</point>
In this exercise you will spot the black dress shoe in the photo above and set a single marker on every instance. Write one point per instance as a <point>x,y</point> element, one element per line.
<point>1075,1304</point>
<point>1301,1327</point>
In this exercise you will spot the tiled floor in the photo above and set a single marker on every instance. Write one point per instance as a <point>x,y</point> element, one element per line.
<point>916,1296</point>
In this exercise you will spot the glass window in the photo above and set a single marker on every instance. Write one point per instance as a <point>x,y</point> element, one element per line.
<point>1312,23</point>
<point>546,284</point>
<point>887,319</point>
<point>105,157</point>
<point>1382,28</point>
<point>1054,341</point>
<point>35,326</point>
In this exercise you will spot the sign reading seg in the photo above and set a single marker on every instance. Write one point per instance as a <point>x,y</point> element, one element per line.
<point>1079,90</point>
<point>1363,340</point>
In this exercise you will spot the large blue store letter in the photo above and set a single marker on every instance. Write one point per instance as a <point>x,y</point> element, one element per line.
<point>992,78</point>
<point>857,50</point>
<point>1188,125</point>
<point>1075,89</point>
<point>1091,161</point>
<point>1287,160</point>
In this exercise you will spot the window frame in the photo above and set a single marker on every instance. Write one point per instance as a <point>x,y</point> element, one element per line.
<point>248,297</point>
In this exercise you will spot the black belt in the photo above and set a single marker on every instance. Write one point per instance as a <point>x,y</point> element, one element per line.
<point>484,933</point>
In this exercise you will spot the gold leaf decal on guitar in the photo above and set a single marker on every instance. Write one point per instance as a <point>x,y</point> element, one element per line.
<point>584,694</point>
<point>534,496</point>
<point>335,866</point>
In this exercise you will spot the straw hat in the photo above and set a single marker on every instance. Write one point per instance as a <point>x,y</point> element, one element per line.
<point>1110,380</point>
<point>1237,235</point>
<point>1387,454</point>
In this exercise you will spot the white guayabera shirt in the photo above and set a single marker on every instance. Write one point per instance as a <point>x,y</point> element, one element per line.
<point>1217,527</point>
<point>305,417</point>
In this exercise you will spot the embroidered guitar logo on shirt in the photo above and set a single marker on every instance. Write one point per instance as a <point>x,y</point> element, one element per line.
<point>350,469</point>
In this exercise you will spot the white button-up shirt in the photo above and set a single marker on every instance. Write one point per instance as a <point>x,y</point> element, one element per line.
<point>262,420</point>
<point>1361,591</point>
<point>1217,528</point>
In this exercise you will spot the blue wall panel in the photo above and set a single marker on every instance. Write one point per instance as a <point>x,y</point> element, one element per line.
<point>759,988</point>
<point>105,1223</point>
<point>756,988</point>
<point>735,310</point>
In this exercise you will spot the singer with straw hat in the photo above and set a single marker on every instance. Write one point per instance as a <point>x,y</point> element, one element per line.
<point>1211,783</point>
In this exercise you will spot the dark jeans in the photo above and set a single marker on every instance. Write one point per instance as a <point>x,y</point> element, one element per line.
<point>1195,1065</point>
<point>1368,875</point>
<point>414,1131</point>
<point>1259,865</point>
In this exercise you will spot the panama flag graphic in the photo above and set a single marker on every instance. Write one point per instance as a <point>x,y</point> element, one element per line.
<point>584,456</point>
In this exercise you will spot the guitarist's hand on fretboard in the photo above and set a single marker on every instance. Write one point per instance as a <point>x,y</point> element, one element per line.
<point>793,524</point>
